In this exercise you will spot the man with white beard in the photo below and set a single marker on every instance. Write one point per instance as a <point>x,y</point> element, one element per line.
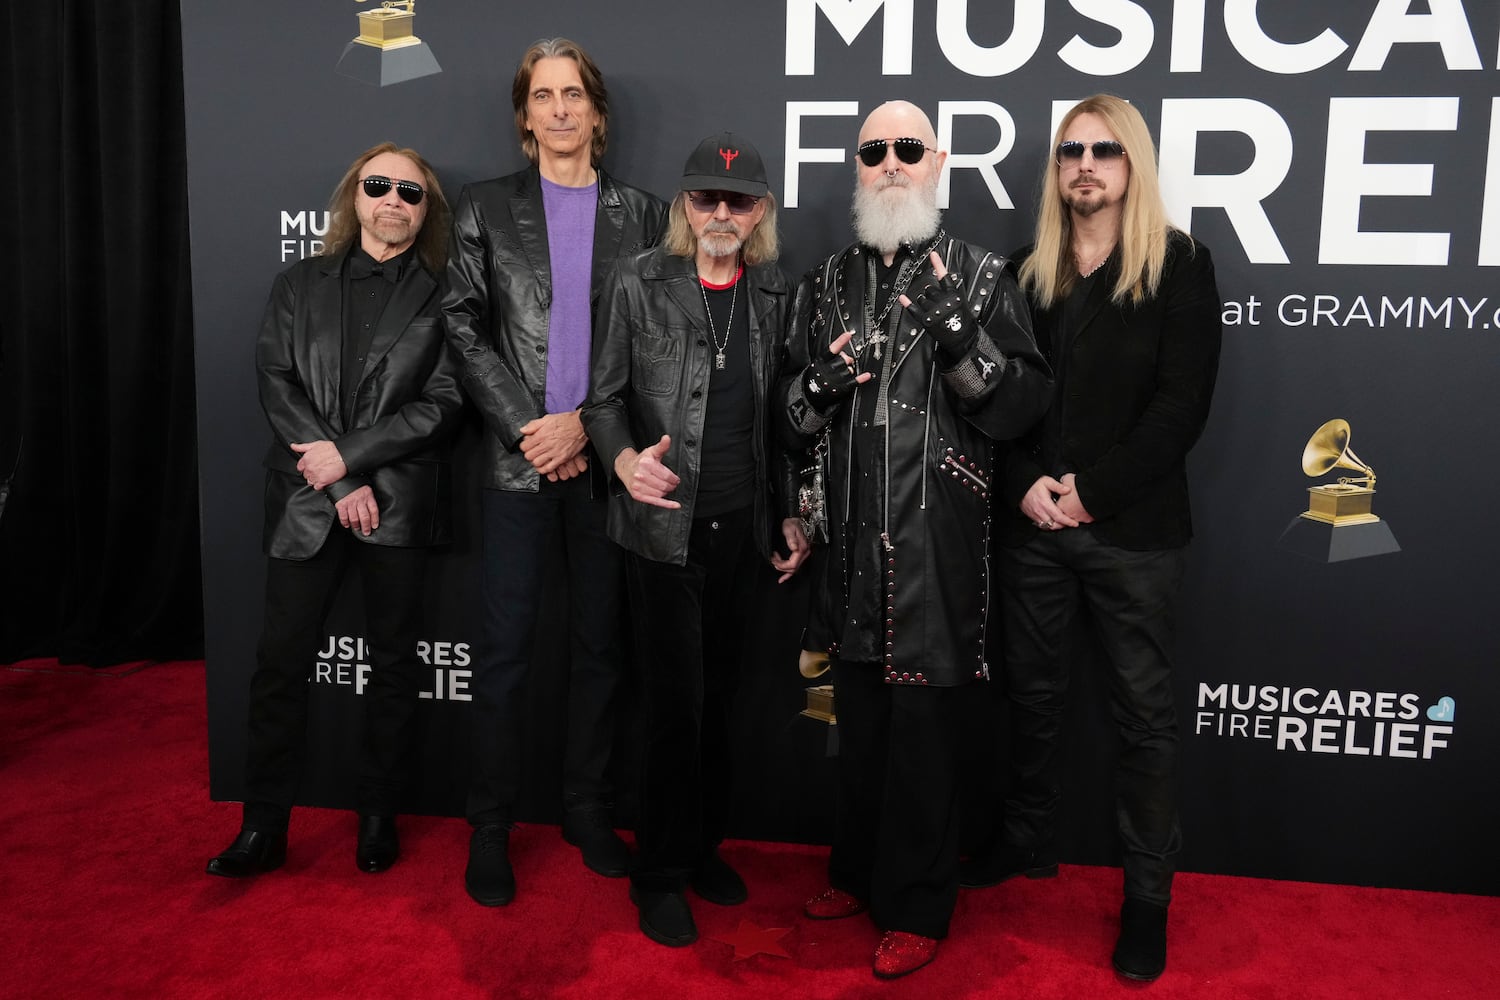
<point>910,355</point>
<point>681,411</point>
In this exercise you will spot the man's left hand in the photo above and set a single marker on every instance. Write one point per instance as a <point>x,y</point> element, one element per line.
<point>798,548</point>
<point>551,440</point>
<point>359,511</point>
<point>320,464</point>
<point>939,308</point>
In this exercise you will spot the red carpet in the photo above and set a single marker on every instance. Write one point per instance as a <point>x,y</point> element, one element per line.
<point>105,825</point>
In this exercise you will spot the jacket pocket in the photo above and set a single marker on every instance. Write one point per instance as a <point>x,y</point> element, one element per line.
<point>655,362</point>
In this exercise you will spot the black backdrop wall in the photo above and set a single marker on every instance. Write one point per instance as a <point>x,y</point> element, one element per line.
<point>1338,716</point>
<point>99,532</point>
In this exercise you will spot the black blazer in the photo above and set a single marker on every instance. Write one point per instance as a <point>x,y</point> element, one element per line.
<point>407,398</point>
<point>1132,396</point>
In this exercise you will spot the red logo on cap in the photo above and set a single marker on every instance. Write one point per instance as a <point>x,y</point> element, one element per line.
<point>729,155</point>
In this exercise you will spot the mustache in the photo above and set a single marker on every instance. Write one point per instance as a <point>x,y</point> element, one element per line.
<point>896,180</point>
<point>720,226</point>
<point>1081,181</point>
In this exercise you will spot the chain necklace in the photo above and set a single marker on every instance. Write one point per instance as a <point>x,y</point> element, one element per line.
<point>1084,272</point>
<point>874,325</point>
<point>719,359</point>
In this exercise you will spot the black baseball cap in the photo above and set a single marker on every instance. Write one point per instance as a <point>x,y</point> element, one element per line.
<point>725,162</point>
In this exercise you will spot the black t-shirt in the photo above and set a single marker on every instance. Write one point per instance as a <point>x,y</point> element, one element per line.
<point>726,469</point>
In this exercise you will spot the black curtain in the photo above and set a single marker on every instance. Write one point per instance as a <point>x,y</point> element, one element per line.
<point>99,557</point>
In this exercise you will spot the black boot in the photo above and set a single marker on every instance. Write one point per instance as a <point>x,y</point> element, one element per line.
<point>1141,952</point>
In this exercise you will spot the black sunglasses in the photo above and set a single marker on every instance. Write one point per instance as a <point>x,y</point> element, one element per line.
<point>1103,149</point>
<point>908,150</point>
<point>377,187</point>
<point>708,201</point>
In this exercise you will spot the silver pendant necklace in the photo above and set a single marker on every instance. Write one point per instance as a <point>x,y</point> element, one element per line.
<point>719,359</point>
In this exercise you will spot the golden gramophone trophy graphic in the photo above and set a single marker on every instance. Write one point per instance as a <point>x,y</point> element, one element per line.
<point>386,51</point>
<point>1339,522</point>
<point>820,697</point>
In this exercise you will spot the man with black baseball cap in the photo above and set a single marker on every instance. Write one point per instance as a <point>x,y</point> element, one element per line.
<point>690,340</point>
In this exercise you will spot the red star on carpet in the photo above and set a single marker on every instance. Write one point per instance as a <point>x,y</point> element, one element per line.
<point>749,940</point>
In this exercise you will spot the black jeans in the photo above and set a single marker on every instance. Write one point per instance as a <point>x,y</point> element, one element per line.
<point>1131,597</point>
<point>896,842</point>
<point>299,594</point>
<point>690,628</point>
<point>518,528</point>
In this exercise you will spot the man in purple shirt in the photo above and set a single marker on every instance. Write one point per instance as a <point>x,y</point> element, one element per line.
<point>530,252</point>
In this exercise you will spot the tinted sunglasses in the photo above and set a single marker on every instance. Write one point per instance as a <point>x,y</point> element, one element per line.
<point>1103,149</point>
<point>378,187</point>
<point>708,201</point>
<point>908,150</point>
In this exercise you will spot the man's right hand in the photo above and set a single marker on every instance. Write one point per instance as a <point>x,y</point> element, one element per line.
<point>646,476</point>
<point>830,379</point>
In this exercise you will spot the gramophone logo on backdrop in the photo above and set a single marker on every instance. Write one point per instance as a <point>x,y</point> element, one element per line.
<point>387,51</point>
<point>1339,522</point>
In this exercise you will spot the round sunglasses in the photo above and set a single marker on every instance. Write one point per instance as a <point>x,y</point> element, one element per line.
<point>377,186</point>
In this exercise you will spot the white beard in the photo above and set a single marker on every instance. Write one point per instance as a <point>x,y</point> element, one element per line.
<point>895,212</point>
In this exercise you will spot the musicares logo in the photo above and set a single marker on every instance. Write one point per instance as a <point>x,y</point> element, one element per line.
<point>729,155</point>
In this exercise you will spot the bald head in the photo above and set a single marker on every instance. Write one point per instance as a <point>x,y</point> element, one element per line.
<point>898,118</point>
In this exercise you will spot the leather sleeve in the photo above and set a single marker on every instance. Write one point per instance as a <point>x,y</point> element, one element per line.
<point>604,414</point>
<point>501,396</point>
<point>291,413</point>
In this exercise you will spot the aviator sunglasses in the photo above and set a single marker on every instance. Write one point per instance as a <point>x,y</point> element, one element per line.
<point>908,150</point>
<point>377,186</point>
<point>1103,150</point>
<point>708,201</point>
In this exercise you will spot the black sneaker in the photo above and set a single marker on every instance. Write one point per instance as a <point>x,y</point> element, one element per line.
<point>1141,952</point>
<point>489,879</point>
<point>718,883</point>
<point>665,917</point>
<point>586,826</point>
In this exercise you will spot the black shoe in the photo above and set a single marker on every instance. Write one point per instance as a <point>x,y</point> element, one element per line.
<point>489,879</point>
<point>718,883</point>
<point>587,827</point>
<point>665,917</point>
<point>253,852</point>
<point>377,848</point>
<point>1141,952</point>
<point>1006,861</point>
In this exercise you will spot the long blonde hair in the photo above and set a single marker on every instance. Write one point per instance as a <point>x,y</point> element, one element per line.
<point>763,246</point>
<point>1050,271</point>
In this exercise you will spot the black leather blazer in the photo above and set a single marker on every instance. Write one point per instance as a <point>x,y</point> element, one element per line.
<point>650,377</point>
<point>1130,401</point>
<point>500,294</point>
<point>407,398</point>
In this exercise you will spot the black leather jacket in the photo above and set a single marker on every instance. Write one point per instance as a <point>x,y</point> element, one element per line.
<point>933,464</point>
<point>500,296</point>
<point>650,377</point>
<point>395,442</point>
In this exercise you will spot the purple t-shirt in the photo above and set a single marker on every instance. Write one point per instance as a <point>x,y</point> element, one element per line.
<point>570,239</point>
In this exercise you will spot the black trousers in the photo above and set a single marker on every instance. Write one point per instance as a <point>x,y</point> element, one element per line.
<point>690,629</point>
<point>896,840</point>
<point>518,530</point>
<point>1131,597</point>
<point>299,594</point>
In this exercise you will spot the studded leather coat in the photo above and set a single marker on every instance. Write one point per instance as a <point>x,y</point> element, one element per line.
<point>929,458</point>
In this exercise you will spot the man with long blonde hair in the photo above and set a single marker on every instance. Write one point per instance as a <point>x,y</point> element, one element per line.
<point>1125,307</point>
